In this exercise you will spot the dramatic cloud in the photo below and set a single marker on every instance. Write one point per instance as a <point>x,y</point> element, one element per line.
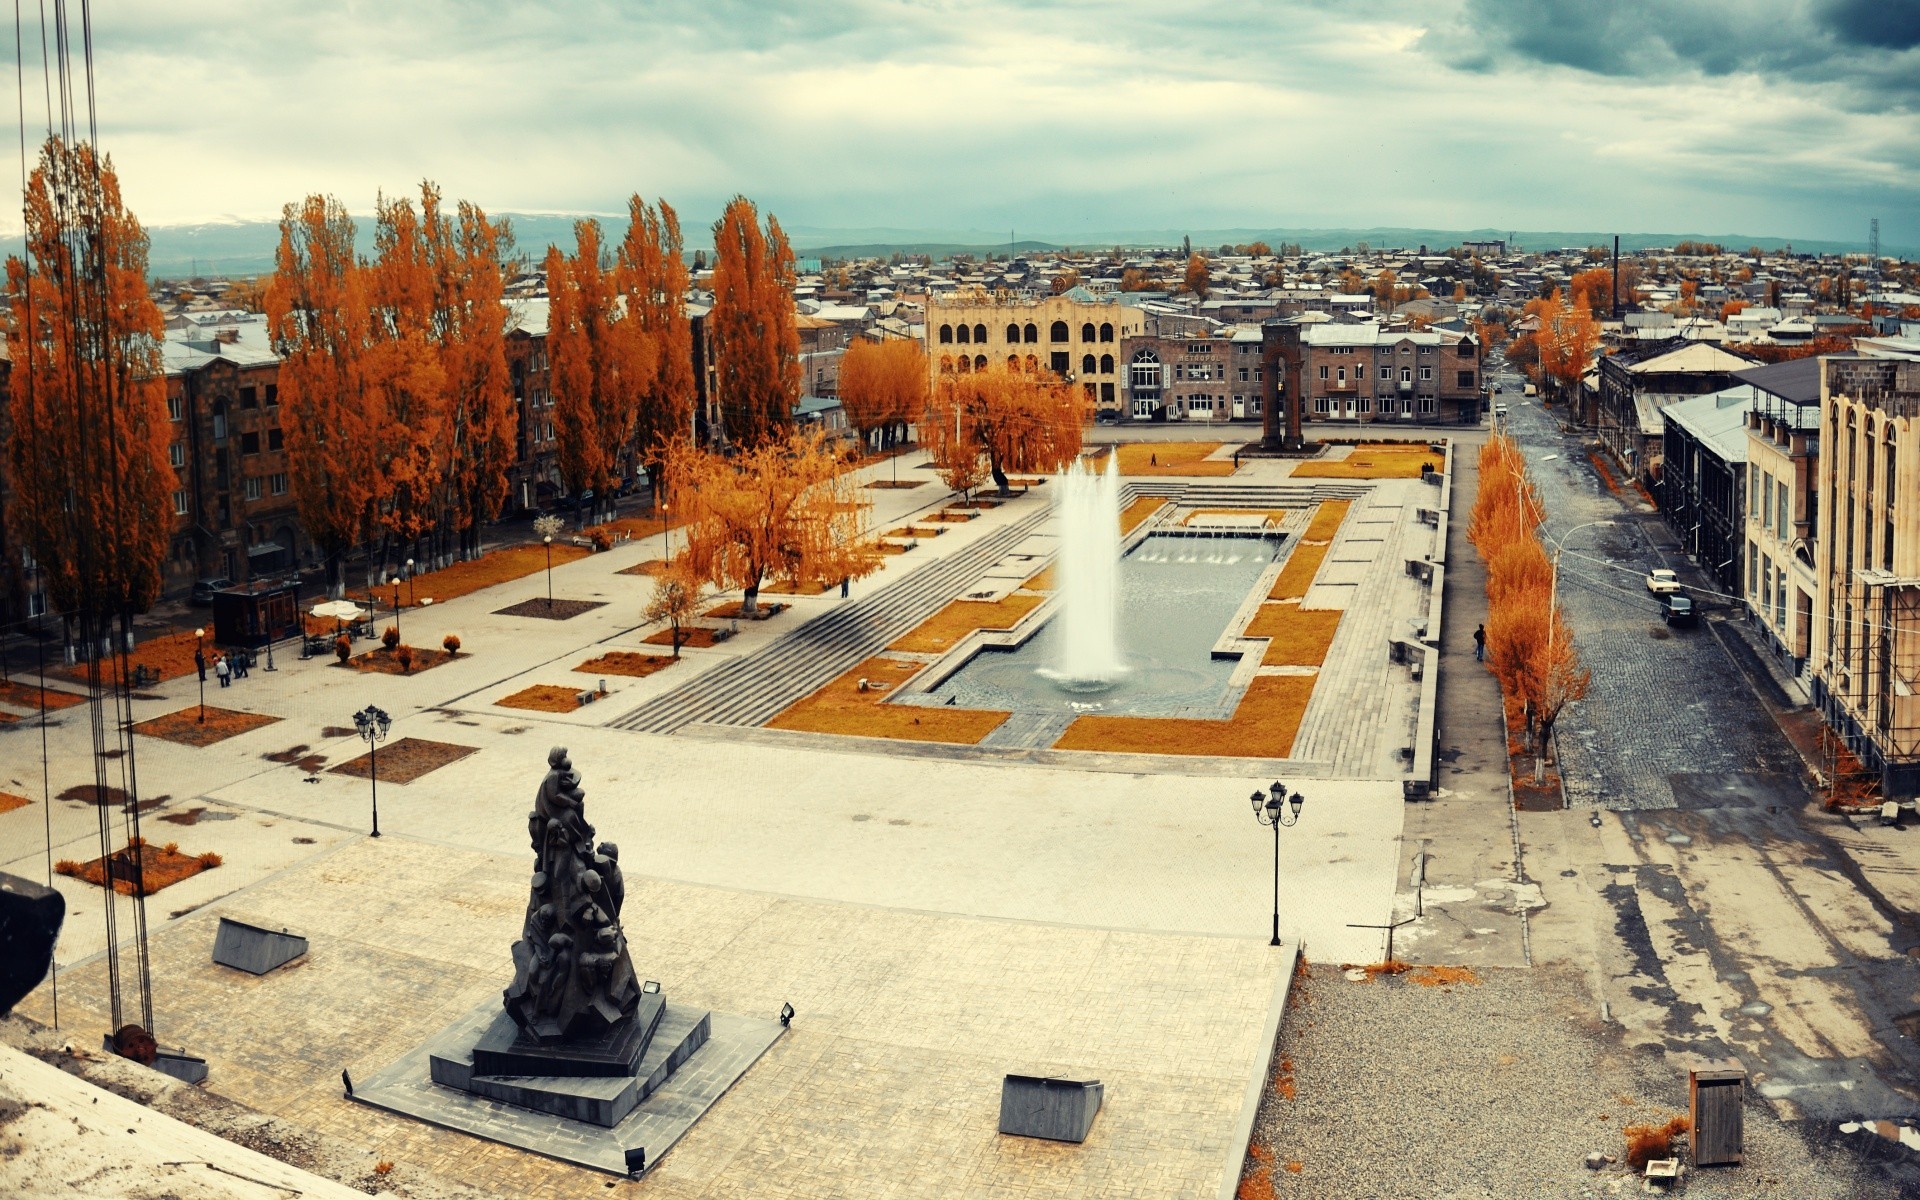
<point>1070,119</point>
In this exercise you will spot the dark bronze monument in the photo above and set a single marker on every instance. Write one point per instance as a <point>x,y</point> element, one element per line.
<point>577,1034</point>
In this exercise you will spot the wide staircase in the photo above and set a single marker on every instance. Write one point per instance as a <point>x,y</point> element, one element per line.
<point>752,689</point>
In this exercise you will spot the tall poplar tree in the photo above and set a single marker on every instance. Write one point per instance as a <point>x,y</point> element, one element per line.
<point>652,275</point>
<point>406,381</point>
<point>472,321</point>
<point>92,487</point>
<point>756,347</point>
<point>593,395</point>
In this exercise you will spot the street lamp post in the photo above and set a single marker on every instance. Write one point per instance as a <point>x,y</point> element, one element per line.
<point>547,541</point>
<point>395,581</point>
<point>200,655</point>
<point>413,589</point>
<point>1277,807</point>
<point>665,553</point>
<point>373,724</point>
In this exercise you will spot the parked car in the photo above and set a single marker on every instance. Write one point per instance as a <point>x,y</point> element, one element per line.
<point>203,590</point>
<point>1680,610</point>
<point>1662,582</point>
<point>1530,390</point>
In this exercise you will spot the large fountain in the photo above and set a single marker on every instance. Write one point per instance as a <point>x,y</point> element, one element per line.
<point>1088,521</point>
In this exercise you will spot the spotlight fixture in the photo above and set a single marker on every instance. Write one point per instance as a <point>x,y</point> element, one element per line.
<point>636,1162</point>
<point>650,986</point>
<point>786,1014</point>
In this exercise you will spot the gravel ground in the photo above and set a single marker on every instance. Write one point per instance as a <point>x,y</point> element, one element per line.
<point>1494,1090</point>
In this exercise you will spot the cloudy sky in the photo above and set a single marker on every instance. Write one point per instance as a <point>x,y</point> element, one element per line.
<point>1791,118</point>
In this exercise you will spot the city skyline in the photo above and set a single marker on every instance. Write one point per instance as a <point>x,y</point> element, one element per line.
<point>1789,120</point>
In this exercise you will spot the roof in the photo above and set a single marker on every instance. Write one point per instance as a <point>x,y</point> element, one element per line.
<point>1796,381</point>
<point>1696,357</point>
<point>1368,333</point>
<point>1717,420</point>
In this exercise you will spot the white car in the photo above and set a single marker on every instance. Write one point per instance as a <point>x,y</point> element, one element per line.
<point>1662,582</point>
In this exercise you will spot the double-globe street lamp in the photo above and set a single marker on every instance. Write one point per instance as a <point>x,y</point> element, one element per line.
<point>1276,807</point>
<point>373,724</point>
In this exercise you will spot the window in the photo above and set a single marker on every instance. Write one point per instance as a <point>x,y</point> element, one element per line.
<point>1087,364</point>
<point>1013,332</point>
<point>253,489</point>
<point>1013,362</point>
<point>1406,374</point>
<point>1086,332</point>
<point>980,333</point>
<point>1061,363</point>
<point>964,335</point>
<point>1106,394</point>
<point>1426,374</point>
<point>1323,370</point>
<point>1106,331</point>
<point>1426,404</point>
<point>1057,332</point>
<point>1341,374</point>
<point>276,439</point>
<point>1465,379</point>
<point>273,395</point>
<point>946,334</point>
<point>1363,405</point>
<point>249,397</point>
<point>219,426</point>
<point>1106,364</point>
<point>1032,363</point>
<point>177,454</point>
<point>1243,374</point>
<point>1781,492</point>
<point>1030,334</point>
<point>175,406</point>
<point>250,443</point>
<point>179,504</point>
<point>277,483</point>
<point>979,362</point>
<point>1144,371</point>
<point>1766,510</point>
<point>1359,370</point>
<point>946,364</point>
<point>1322,404</point>
<point>966,364</point>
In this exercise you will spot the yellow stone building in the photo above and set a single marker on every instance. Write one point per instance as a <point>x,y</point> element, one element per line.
<point>1867,624</point>
<point>1075,335</point>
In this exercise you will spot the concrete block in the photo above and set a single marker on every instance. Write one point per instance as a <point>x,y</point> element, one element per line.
<point>1060,1110</point>
<point>255,946</point>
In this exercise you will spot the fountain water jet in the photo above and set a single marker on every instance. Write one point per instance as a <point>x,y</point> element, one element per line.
<point>1088,512</point>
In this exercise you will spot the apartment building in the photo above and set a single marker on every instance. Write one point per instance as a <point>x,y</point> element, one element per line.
<point>1780,506</point>
<point>1636,383</point>
<point>1867,621</point>
<point>1074,335</point>
<point>1211,376</point>
<point>1365,373</point>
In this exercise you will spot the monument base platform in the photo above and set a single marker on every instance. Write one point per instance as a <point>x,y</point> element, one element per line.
<point>506,1050</point>
<point>693,1058</point>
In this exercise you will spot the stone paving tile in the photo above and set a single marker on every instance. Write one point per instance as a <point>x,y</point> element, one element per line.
<point>888,1083</point>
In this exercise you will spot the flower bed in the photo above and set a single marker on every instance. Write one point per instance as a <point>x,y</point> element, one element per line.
<point>142,865</point>
<point>915,531</point>
<point>543,697</point>
<point>790,588</point>
<point>698,637</point>
<point>843,708</point>
<point>494,567</point>
<point>1263,726</point>
<point>627,663</point>
<point>731,611</point>
<point>549,610</point>
<point>406,760</point>
<point>943,630</point>
<point>187,728</point>
<point>169,656</point>
<point>383,661</point>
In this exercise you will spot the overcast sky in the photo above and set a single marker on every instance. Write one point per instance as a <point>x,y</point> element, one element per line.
<point>1053,117</point>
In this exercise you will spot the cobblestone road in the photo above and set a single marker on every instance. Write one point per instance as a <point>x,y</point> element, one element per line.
<point>1663,703</point>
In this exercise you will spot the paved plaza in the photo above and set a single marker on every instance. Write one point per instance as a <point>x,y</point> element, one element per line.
<point>937,920</point>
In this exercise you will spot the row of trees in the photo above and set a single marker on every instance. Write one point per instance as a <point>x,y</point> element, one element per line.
<point>1561,346</point>
<point>1529,645</point>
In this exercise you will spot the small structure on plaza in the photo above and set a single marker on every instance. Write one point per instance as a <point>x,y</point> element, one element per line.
<point>579,1035</point>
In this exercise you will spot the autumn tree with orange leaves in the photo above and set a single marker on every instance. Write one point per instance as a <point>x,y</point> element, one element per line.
<point>652,277</point>
<point>92,487</point>
<point>1008,420</point>
<point>883,386</point>
<point>1198,279</point>
<point>404,381</point>
<point>1529,645</point>
<point>784,510</point>
<point>601,360</point>
<point>756,347</point>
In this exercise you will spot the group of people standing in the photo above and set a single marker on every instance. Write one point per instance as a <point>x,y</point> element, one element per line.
<point>224,668</point>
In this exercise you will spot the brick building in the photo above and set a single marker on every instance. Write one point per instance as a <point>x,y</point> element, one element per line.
<point>1073,335</point>
<point>1363,373</point>
<point>1212,376</point>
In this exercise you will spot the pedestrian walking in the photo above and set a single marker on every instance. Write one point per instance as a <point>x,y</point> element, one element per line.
<point>846,584</point>
<point>240,664</point>
<point>1480,644</point>
<point>200,663</point>
<point>1153,459</point>
<point>221,669</point>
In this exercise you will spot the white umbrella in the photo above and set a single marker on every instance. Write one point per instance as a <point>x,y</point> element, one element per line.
<point>339,610</point>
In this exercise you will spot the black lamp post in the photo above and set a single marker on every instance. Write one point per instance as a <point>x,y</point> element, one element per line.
<point>1276,807</point>
<point>374,724</point>
<point>547,541</point>
<point>395,581</point>
<point>200,655</point>
<point>413,589</point>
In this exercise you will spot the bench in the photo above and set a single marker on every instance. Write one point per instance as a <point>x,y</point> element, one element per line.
<point>1420,569</point>
<point>145,676</point>
<point>1429,516</point>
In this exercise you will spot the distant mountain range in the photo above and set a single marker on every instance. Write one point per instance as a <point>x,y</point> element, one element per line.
<point>247,247</point>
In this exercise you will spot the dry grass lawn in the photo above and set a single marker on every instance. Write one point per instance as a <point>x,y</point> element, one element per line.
<point>1171,458</point>
<point>1326,520</point>
<point>1262,727</point>
<point>1276,515</point>
<point>1043,582</point>
<point>406,760</point>
<point>1299,638</point>
<point>731,611</point>
<point>628,663</point>
<point>842,708</point>
<point>170,655</point>
<point>697,636</point>
<point>155,867</point>
<point>1374,460</point>
<point>19,695</point>
<point>543,697</point>
<point>1297,576</point>
<point>943,630</point>
<point>652,566</point>
<point>915,531</point>
<point>186,727</point>
<point>498,566</point>
<point>1141,508</point>
<point>811,587</point>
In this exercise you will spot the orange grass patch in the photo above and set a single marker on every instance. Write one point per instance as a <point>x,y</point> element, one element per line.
<point>1141,508</point>
<point>1651,1141</point>
<point>186,727</point>
<point>21,696</point>
<point>1297,576</point>
<point>948,516</point>
<point>1606,476</point>
<point>1391,966</point>
<point>1171,458</point>
<point>9,802</point>
<point>386,662</point>
<point>1256,1184</point>
<point>653,566</point>
<point>944,629</point>
<point>628,663</point>
<point>842,708</point>
<point>697,636</point>
<point>170,656</point>
<point>1299,637</point>
<point>1443,976</point>
<point>732,611</point>
<point>543,697</point>
<point>894,547</point>
<point>1043,582</point>
<point>140,864</point>
<point>1326,520</point>
<point>915,531</point>
<point>1262,727</point>
<point>812,587</point>
<point>496,566</point>
<point>1276,515</point>
<point>1374,460</point>
<point>406,760</point>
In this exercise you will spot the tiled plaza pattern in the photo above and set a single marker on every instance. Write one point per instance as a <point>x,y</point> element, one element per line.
<point>887,1084</point>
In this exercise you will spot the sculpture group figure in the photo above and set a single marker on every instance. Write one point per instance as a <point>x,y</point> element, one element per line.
<point>572,976</point>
